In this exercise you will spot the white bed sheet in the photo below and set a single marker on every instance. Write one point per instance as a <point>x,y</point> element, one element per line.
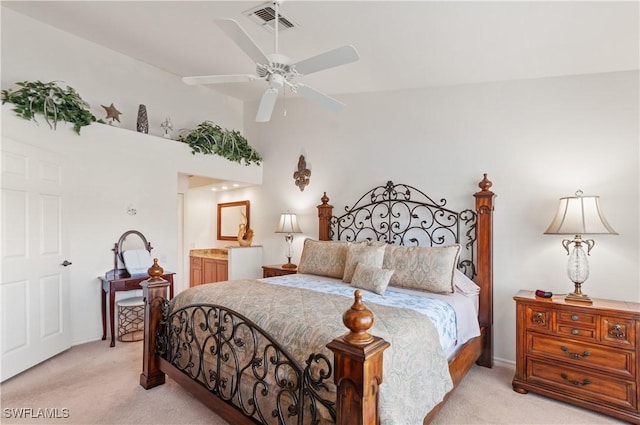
<point>465,306</point>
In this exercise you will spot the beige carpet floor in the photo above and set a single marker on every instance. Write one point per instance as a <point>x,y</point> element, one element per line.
<point>94,384</point>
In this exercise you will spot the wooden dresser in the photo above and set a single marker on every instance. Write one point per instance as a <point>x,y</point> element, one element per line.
<point>585,354</point>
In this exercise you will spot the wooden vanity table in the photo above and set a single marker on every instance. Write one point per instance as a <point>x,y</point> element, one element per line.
<point>120,280</point>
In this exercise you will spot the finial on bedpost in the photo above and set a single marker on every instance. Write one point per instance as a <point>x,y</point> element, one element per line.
<point>357,360</point>
<point>485,184</point>
<point>155,271</point>
<point>359,320</point>
<point>325,210</point>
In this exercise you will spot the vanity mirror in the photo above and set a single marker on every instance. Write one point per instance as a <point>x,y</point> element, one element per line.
<point>230,216</point>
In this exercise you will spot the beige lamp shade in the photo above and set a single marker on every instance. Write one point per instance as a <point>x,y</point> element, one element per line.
<point>288,224</point>
<point>579,215</point>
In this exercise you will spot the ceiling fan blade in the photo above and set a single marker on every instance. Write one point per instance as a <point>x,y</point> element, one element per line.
<point>267,103</point>
<point>321,98</point>
<point>235,32</point>
<point>336,57</point>
<point>219,79</point>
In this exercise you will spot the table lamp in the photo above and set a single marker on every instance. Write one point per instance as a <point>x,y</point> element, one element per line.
<point>288,224</point>
<point>579,215</point>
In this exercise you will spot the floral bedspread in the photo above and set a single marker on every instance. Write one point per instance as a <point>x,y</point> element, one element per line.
<point>416,374</point>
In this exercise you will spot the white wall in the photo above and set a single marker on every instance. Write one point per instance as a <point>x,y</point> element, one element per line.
<point>538,140</point>
<point>112,168</point>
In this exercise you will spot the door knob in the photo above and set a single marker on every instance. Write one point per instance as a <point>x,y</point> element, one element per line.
<point>66,263</point>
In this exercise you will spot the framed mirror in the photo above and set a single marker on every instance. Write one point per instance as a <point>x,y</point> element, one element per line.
<point>230,216</point>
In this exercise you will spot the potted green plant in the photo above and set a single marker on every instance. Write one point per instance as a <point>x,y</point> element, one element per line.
<point>210,138</point>
<point>52,101</point>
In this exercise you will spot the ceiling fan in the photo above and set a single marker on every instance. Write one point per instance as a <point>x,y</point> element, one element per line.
<point>277,70</point>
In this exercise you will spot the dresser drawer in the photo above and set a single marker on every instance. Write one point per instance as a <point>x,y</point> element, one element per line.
<point>573,318</point>
<point>538,318</point>
<point>585,384</point>
<point>617,331</point>
<point>574,331</point>
<point>605,359</point>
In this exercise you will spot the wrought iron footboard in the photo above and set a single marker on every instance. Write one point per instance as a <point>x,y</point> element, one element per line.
<point>245,367</point>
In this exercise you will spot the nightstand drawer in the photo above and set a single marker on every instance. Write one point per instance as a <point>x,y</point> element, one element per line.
<point>588,385</point>
<point>608,360</point>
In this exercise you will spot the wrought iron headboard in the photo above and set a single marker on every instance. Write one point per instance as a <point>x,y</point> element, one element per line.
<point>403,215</point>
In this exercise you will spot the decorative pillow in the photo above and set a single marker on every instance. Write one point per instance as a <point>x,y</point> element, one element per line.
<point>323,258</point>
<point>463,284</point>
<point>371,278</point>
<point>423,268</point>
<point>362,253</point>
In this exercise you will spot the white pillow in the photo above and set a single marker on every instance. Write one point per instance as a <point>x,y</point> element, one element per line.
<point>464,285</point>
<point>137,262</point>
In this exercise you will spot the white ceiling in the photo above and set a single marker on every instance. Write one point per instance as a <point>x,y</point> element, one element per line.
<point>402,45</point>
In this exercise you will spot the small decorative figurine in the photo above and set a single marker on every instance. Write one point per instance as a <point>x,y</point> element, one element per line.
<point>167,126</point>
<point>245,233</point>
<point>112,113</point>
<point>302,175</point>
<point>143,121</point>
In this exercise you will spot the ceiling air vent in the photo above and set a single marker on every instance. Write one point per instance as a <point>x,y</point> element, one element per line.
<point>265,16</point>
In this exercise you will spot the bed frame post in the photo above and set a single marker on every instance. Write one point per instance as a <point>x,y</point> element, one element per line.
<point>325,211</point>
<point>154,292</point>
<point>484,209</point>
<point>357,368</point>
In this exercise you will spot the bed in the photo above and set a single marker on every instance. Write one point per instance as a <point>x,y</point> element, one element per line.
<point>276,350</point>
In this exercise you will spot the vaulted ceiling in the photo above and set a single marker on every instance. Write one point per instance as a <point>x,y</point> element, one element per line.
<point>402,45</point>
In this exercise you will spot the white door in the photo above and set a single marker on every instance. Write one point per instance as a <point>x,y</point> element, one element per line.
<point>34,288</point>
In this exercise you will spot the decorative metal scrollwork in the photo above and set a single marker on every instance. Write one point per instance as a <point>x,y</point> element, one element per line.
<point>403,215</point>
<point>575,355</point>
<point>582,383</point>
<point>616,331</point>
<point>242,365</point>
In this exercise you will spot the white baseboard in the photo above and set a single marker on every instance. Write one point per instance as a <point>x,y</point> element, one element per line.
<point>504,363</point>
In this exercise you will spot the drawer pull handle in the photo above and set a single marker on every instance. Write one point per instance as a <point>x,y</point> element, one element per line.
<point>575,355</point>
<point>616,331</point>
<point>574,332</point>
<point>585,382</point>
<point>538,318</point>
<point>575,317</point>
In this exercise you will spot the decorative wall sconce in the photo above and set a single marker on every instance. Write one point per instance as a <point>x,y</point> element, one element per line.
<point>301,176</point>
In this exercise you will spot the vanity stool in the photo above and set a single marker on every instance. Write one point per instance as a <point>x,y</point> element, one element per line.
<point>130,319</point>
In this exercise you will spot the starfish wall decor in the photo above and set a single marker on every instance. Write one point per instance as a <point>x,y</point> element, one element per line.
<point>112,113</point>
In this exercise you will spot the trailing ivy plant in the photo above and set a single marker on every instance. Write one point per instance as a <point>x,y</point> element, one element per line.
<point>52,101</point>
<point>210,138</point>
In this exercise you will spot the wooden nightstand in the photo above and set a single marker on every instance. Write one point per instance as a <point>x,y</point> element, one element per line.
<point>585,354</point>
<point>278,270</point>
